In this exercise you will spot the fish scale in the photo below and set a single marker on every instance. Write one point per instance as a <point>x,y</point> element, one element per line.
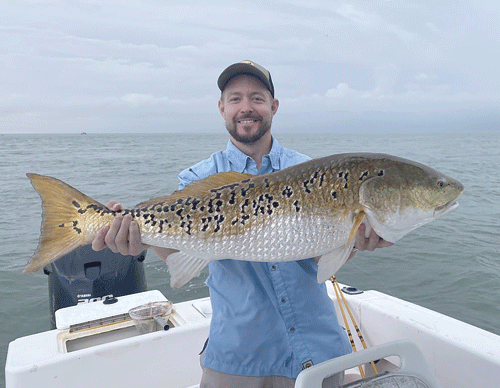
<point>308,210</point>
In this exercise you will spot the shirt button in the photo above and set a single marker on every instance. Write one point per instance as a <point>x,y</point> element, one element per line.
<point>292,329</point>
<point>273,268</point>
<point>283,300</point>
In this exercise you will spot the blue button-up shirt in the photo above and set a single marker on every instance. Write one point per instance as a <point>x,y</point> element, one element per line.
<point>268,318</point>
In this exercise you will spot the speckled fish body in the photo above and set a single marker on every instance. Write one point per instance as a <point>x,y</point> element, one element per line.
<point>307,210</point>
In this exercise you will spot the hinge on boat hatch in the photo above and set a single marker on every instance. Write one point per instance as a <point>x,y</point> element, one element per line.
<point>99,322</point>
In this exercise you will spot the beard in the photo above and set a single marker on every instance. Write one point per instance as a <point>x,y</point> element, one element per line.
<point>248,138</point>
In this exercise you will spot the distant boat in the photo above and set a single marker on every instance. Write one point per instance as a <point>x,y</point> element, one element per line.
<point>83,133</point>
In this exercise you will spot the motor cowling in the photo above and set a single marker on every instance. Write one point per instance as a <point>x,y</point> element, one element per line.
<point>86,276</point>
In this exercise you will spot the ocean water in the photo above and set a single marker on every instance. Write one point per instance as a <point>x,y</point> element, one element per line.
<point>451,265</point>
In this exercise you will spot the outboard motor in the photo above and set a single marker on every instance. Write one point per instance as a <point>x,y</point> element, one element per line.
<point>84,276</point>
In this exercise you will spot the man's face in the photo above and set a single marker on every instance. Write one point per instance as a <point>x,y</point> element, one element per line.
<point>247,108</point>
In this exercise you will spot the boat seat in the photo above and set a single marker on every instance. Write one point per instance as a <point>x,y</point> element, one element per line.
<point>413,371</point>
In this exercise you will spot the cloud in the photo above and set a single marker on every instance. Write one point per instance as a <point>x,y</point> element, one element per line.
<point>65,65</point>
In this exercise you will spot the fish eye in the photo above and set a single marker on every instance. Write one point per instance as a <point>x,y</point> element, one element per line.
<point>440,184</point>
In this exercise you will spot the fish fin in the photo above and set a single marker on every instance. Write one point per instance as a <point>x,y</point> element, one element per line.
<point>331,262</point>
<point>358,220</point>
<point>200,186</point>
<point>213,182</point>
<point>183,267</point>
<point>60,231</point>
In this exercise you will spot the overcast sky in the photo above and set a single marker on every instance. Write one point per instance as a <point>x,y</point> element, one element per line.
<point>152,66</point>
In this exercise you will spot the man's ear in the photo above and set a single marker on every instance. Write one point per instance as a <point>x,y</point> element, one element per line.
<point>221,107</point>
<point>275,105</point>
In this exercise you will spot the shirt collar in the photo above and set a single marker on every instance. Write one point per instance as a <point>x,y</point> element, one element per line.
<point>239,159</point>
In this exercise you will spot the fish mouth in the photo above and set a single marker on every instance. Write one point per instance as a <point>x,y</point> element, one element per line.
<point>446,208</point>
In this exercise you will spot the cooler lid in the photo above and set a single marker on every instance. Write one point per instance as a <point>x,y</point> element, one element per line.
<point>93,311</point>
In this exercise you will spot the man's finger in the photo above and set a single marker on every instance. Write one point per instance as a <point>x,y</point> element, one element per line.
<point>98,242</point>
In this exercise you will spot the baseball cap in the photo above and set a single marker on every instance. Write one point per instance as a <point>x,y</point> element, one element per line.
<point>246,67</point>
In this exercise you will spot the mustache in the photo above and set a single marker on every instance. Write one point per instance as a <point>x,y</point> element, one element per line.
<point>249,116</point>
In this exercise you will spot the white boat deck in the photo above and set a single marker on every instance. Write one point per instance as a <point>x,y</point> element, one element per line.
<point>113,353</point>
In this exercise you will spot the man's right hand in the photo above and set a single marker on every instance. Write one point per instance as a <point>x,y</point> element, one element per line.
<point>124,236</point>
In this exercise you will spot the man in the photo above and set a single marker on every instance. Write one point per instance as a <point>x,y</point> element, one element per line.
<point>270,320</point>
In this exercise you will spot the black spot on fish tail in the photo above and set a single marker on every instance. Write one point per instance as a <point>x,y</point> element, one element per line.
<point>76,204</point>
<point>78,230</point>
<point>82,211</point>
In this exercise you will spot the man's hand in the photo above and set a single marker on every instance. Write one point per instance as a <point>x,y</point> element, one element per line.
<point>371,243</point>
<point>362,243</point>
<point>124,236</point>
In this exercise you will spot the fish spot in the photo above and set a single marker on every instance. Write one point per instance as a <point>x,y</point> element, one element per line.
<point>78,230</point>
<point>364,175</point>
<point>195,204</point>
<point>61,225</point>
<point>297,205</point>
<point>321,179</point>
<point>341,174</point>
<point>334,194</point>
<point>76,204</point>
<point>232,200</point>
<point>82,211</point>
<point>381,173</point>
<point>287,192</point>
<point>345,186</point>
<point>244,205</point>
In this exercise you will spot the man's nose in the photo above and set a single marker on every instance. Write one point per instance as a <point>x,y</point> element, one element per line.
<point>246,106</point>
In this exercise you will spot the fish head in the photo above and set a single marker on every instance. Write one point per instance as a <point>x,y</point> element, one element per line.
<point>405,196</point>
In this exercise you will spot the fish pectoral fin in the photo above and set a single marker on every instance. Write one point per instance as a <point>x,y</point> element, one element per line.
<point>183,267</point>
<point>331,262</point>
<point>358,220</point>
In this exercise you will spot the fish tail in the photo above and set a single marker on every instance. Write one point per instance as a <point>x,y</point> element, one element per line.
<point>64,222</point>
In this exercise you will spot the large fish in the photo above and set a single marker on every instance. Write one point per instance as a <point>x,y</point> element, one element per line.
<point>311,209</point>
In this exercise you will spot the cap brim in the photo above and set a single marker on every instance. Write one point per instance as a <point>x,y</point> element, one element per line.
<point>240,69</point>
